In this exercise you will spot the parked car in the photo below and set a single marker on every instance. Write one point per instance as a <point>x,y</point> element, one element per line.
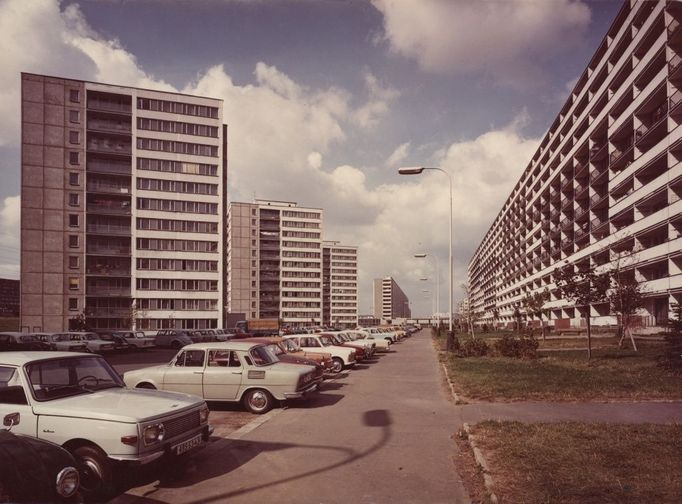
<point>360,352</point>
<point>137,339</point>
<point>369,345</point>
<point>225,334</point>
<point>21,341</point>
<point>342,357</point>
<point>120,343</point>
<point>93,342</point>
<point>275,344</point>
<point>79,402</point>
<point>324,358</point>
<point>61,343</point>
<point>375,332</point>
<point>34,470</point>
<point>232,371</point>
<point>173,338</point>
<point>382,345</point>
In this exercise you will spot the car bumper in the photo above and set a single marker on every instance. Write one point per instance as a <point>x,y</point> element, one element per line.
<point>302,393</point>
<point>168,448</point>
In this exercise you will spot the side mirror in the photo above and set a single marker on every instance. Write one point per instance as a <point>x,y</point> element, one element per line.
<point>10,420</point>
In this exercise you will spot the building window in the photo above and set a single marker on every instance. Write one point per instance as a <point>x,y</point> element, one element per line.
<point>74,199</point>
<point>74,158</point>
<point>253,314</point>
<point>253,264</point>
<point>253,283</point>
<point>74,96</point>
<point>253,211</point>
<point>73,304</point>
<point>74,116</point>
<point>73,241</point>
<point>73,220</point>
<point>74,178</point>
<point>73,262</point>
<point>74,283</point>
<point>74,137</point>
<point>253,243</point>
<point>253,253</point>
<point>253,304</point>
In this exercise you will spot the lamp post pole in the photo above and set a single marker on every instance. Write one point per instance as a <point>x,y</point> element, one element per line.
<point>416,171</point>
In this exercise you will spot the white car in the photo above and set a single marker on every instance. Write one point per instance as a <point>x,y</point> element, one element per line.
<point>92,341</point>
<point>137,339</point>
<point>382,345</point>
<point>76,400</point>
<point>62,343</point>
<point>369,345</point>
<point>342,357</point>
<point>375,332</point>
<point>231,371</point>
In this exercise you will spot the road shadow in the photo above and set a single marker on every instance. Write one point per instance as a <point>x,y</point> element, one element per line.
<point>224,456</point>
<point>320,400</point>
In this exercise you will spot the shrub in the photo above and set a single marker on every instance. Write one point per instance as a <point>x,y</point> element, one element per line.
<point>473,348</point>
<point>510,346</point>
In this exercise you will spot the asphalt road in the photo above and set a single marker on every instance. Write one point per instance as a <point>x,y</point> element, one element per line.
<point>381,433</point>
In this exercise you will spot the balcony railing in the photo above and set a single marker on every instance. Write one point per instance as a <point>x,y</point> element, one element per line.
<point>597,223</point>
<point>566,202</point>
<point>109,229</point>
<point>96,311</point>
<point>580,233</point>
<point>102,166</point>
<point>109,126</point>
<point>659,116</point>
<point>596,199</point>
<point>105,271</point>
<point>597,174</point>
<point>579,169</point>
<point>597,152</point>
<point>566,244</point>
<point>108,250</point>
<point>566,224</point>
<point>109,106</point>
<point>108,188</point>
<point>580,212</point>
<point>105,147</point>
<point>619,152</point>
<point>674,63</point>
<point>107,290</point>
<point>109,209</point>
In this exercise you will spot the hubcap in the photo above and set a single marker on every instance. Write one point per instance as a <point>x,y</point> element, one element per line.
<point>258,400</point>
<point>91,477</point>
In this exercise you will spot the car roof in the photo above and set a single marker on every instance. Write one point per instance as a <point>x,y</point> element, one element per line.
<point>19,358</point>
<point>218,345</point>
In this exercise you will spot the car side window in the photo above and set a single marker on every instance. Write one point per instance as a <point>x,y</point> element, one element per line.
<point>219,358</point>
<point>191,358</point>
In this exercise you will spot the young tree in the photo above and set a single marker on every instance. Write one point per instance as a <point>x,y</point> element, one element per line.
<point>625,297</point>
<point>466,309</point>
<point>534,304</point>
<point>584,288</point>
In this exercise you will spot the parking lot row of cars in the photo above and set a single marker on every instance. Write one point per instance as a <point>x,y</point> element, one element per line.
<point>95,421</point>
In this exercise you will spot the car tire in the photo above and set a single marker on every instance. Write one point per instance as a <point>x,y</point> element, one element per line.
<point>338,364</point>
<point>96,473</point>
<point>145,385</point>
<point>258,401</point>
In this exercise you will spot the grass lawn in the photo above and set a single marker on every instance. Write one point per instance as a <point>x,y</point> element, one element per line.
<point>582,463</point>
<point>566,376</point>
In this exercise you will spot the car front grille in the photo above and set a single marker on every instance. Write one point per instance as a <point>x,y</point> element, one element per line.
<point>179,425</point>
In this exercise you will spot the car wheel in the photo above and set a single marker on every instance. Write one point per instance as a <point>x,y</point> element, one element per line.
<point>145,385</point>
<point>258,401</point>
<point>337,364</point>
<point>95,471</point>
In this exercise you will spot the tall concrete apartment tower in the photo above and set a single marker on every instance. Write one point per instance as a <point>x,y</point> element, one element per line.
<point>122,197</point>
<point>389,300</point>
<point>339,285</point>
<point>605,183</point>
<point>274,253</point>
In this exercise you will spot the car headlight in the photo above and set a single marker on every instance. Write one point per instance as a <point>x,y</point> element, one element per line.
<point>68,482</point>
<point>203,414</point>
<point>153,434</point>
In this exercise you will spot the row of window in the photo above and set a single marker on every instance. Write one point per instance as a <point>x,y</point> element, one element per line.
<point>300,264</point>
<point>177,147</point>
<point>300,274</point>
<point>300,234</point>
<point>165,205</point>
<point>177,265</point>
<point>177,108</point>
<point>165,323</point>
<point>178,304</point>
<point>177,225</point>
<point>303,255</point>
<point>298,314</point>
<point>176,186</point>
<point>301,285</point>
<point>175,284</point>
<point>297,244</point>
<point>300,215</point>
<point>301,294</point>
<point>295,224</point>
<point>300,304</point>
<point>177,127</point>
<point>163,165</point>
<point>177,245</point>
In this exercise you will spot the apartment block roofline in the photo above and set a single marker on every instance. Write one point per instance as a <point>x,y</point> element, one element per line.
<point>277,203</point>
<point>618,20</point>
<point>123,86</point>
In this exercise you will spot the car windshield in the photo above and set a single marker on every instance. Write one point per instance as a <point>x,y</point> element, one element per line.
<point>276,349</point>
<point>27,338</point>
<point>326,341</point>
<point>263,356</point>
<point>64,377</point>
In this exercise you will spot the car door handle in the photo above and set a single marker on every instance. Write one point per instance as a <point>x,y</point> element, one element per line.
<point>198,372</point>
<point>236,372</point>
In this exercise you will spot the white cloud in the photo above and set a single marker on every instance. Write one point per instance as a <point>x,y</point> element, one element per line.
<point>501,39</point>
<point>399,154</point>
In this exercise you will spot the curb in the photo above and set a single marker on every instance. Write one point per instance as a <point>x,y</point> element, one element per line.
<point>458,399</point>
<point>480,459</point>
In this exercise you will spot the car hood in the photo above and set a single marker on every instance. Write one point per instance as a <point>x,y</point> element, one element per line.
<point>119,405</point>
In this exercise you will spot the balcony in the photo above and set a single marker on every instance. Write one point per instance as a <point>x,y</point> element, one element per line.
<point>598,152</point>
<point>566,224</point>
<point>580,170</point>
<point>112,250</point>
<point>107,290</point>
<point>674,31</point>
<point>646,134</point>
<point>109,167</point>
<point>597,174</point>
<point>108,229</point>
<point>580,213</point>
<point>103,187</point>
<point>101,312</point>
<point>113,208</point>
<point>566,203</point>
<point>109,106</point>
<point>621,151</point>
<point>567,244</point>
<point>107,271</point>
<point>581,233</point>
<point>109,146</point>
<point>116,127</point>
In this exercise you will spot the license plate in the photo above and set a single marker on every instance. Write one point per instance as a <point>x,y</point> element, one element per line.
<point>186,446</point>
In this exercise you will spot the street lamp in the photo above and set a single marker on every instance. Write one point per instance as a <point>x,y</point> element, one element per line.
<point>423,255</point>
<point>417,170</point>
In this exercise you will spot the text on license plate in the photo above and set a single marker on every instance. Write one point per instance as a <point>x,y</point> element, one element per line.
<point>186,446</point>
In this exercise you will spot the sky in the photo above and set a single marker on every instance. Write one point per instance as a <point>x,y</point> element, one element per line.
<point>326,99</point>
